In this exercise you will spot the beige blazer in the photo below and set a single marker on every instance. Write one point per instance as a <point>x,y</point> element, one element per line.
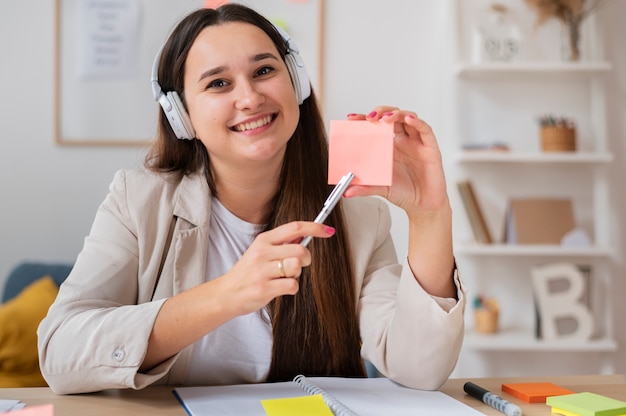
<point>96,333</point>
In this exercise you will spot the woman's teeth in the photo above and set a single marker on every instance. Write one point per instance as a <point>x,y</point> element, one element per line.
<point>254,124</point>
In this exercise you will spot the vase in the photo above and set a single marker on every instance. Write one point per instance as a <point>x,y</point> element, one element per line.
<point>497,37</point>
<point>571,40</point>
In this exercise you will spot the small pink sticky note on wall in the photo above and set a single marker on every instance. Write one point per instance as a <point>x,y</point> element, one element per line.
<point>362,147</point>
<point>214,4</point>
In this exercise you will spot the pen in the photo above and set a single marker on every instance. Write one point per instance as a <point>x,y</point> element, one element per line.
<point>490,399</point>
<point>330,203</point>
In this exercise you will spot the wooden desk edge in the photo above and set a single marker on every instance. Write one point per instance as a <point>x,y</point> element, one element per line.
<point>613,385</point>
<point>455,383</point>
<point>159,400</point>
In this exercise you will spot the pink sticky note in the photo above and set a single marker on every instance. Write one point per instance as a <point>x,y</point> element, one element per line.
<point>214,4</point>
<point>362,147</point>
<point>39,410</point>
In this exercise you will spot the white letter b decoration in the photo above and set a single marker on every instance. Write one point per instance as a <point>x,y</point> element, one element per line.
<point>563,304</point>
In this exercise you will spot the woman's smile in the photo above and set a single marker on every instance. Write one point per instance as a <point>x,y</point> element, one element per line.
<point>254,124</point>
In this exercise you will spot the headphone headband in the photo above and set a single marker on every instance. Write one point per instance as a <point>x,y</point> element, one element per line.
<point>174,109</point>
<point>295,65</point>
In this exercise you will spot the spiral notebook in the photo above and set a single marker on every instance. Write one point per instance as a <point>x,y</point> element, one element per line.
<point>344,396</point>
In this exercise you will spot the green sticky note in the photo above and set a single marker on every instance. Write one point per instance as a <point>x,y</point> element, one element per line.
<point>588,404</point>
<point>303,406</point>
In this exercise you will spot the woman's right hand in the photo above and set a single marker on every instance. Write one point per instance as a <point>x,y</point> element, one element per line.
<point>271,266</point>
<point>251,284</point>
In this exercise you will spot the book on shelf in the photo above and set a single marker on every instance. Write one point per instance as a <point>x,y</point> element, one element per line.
<point>474,212</point>
<point>538,220</point>
<point>340,395</point>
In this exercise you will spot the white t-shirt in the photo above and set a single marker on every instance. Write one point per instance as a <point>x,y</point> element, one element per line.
<point>240,350</point>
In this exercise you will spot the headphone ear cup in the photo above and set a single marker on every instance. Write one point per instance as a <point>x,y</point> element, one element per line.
<point>177,115</point>
<point>299,76</point>
<point>183,116</point>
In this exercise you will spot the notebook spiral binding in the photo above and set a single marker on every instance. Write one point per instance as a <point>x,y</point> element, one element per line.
<point>338,408</point>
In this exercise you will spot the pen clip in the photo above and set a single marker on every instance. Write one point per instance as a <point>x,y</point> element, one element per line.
<point>330,202</point>
<point>340,187</point>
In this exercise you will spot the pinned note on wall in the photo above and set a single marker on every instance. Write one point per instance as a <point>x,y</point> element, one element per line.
<point>109,35</point>
<point>362,147</point>
<point>214,4</point>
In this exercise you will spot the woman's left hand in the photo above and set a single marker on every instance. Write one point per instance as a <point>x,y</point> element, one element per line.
<point>418,177</point>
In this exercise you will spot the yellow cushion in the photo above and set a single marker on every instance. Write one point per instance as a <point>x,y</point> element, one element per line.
<point>19,319</point>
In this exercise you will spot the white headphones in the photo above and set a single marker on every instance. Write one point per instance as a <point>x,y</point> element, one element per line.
<point>177,115</point>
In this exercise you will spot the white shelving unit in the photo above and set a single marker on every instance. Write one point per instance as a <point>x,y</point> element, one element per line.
<point>534,250</point>
<point>521,339</point>
<point>534,158</point>
<point>482,70</point>
<point>512,93</point>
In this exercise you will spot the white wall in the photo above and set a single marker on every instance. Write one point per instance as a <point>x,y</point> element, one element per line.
<point>393,52</point>
<point>48,194</point>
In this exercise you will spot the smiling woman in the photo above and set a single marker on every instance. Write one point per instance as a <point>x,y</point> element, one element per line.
<point>104,52</point>
<point>197,270</point>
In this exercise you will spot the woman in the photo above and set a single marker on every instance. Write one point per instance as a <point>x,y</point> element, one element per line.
<point>193,272</point>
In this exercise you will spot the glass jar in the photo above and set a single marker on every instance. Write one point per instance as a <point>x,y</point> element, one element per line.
<point>497,36</point>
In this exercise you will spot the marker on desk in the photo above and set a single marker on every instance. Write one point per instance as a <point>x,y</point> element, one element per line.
<point>331,201</point>
<point>490,399</point>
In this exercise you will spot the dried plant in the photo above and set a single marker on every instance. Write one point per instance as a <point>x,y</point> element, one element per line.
<point>570,12</point>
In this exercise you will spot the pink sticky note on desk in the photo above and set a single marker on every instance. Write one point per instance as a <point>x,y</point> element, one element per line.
<point>362,147</point>
<point>40,410</point>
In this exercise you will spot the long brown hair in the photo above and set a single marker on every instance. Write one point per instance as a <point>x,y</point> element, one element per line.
<point>316,331</point>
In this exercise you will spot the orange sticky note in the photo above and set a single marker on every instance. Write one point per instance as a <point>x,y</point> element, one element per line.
<point>303,406</point>
<point>362,147</point>
<point>534,392</point>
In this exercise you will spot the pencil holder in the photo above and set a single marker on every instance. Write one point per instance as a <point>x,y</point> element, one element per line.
<point>558,139</point>
<point>486,320</point>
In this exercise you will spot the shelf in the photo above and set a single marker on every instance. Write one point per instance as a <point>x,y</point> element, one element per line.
<point>534,250</point>
<point>529,68</point>
<point>521,339</point>
<point>486,156</point>
<point>492,106</point>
